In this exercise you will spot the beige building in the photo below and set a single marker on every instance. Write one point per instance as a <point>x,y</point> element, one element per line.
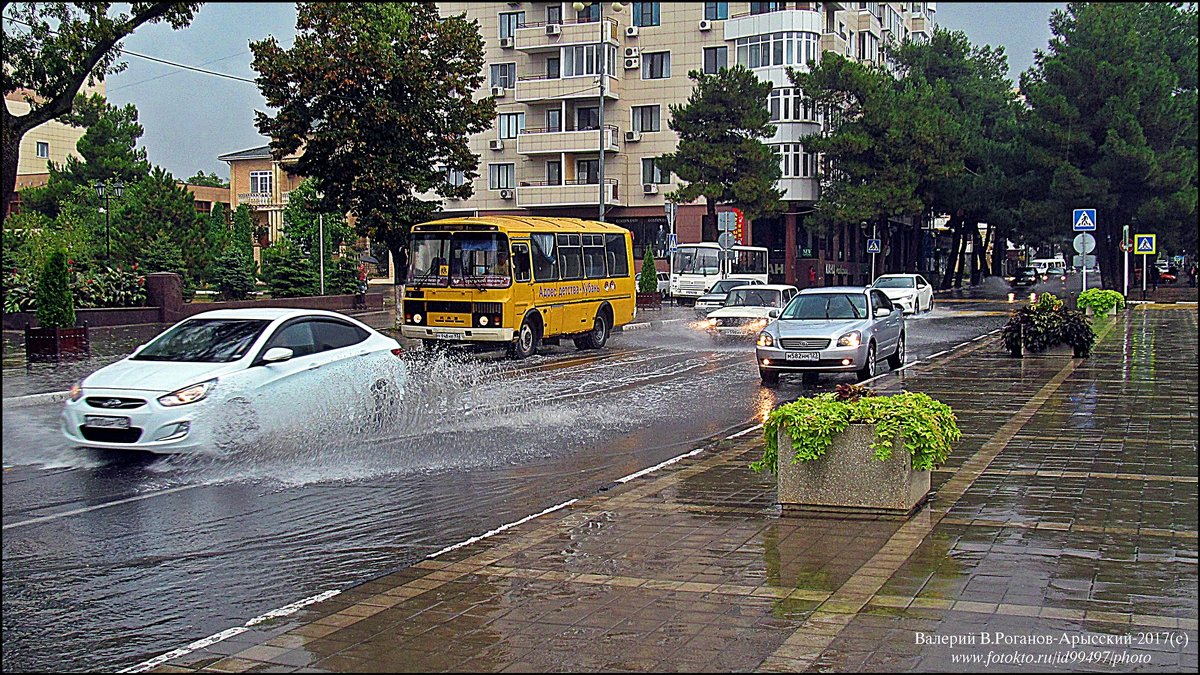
<point>544,64</point>
<point>263,184</point>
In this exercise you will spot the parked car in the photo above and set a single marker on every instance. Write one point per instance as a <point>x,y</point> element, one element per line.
<point>1059,273</point>
<point>1026,276</point>
<point>664,284</point>
<point>715,297</point>
<point>910,291</point>
<point>834,329</point>
<point>747,310</point>
<point>216,379</point>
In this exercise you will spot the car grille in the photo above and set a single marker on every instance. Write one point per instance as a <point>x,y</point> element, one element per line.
<point>102,435</point>
<point>804,343</point>
<point>114,402</point>
<point>737,321</point>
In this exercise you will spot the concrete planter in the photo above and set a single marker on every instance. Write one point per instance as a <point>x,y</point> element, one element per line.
<point>848,481</point>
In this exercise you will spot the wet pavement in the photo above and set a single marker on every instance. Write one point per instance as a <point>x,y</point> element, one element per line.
<point>1062,536</point>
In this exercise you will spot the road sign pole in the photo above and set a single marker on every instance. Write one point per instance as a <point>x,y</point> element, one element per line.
<point>1145,259</point>
<point>1125,259</point>
<point>1085,271</point>
<point>874,235</point>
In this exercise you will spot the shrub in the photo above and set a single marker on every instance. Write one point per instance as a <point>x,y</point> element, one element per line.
<point>341,278</point>
<point>109,287</point>
<point>287,273</point>
<point>55,307</point>
<point>1100,300</point>
<point>164,255</point>
<point>926,426</point>
<point>233,273</point>
<point>648,278</point>
<point>1046,323</point>
<point>20,290</point>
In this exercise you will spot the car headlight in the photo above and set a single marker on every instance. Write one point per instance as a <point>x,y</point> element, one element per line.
<point>714,322</point>
<point>189,394</point>
<point>76,391</point>
<point>851,339</point>
<point>766,340</point>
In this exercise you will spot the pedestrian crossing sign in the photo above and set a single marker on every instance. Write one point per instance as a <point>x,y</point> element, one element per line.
<point>1084,220</point>
<point>1145,244</point>
<point>873,246</point>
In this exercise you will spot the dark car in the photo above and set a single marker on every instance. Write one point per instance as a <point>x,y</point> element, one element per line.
<point>1026,276</point>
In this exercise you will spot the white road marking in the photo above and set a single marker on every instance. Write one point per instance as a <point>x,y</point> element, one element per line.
<point>30,400</point>
<point>743,432</point>
<point>502,528</point>
<point>658,466</point>
<point>97,507</point>
<point>944,351</point>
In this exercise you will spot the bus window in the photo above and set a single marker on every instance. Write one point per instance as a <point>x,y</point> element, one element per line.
<point>545,260</point>
<point>570,256</point>
<point>520,261</point>
<point>618,260</point>
<point>427,260</point>
<point>593,256</point>
<point>479,260</point>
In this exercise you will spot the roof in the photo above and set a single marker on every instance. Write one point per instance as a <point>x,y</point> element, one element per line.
<point>506,223</point>
<point>767,287</point>
<point>263,152</point>
<point>266,313</point>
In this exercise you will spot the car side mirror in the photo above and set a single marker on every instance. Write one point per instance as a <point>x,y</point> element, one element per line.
<point>277,355</point>
<point>774,314</point>
<point>883,311</point>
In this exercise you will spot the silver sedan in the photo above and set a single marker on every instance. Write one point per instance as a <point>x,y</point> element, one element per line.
<point>835,329</point>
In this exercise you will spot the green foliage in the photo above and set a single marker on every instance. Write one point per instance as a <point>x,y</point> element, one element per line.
<point>721,153</point>
<point>164,255</point>
<point>109,287</point>
<point>1100,300</point>
<point>926,426</point>
<point>207,180</point>
<point>242,234</point>
<point>233,274</point>
<point>341,277</point>
<point>55,307</point>
<point>20,291</point>
<point>31,237</point>
<point>156,205</point>
<point>287,273</point>
<point>393,77</point>
<point>1045,323</point>
<point>301,222</point>
<point>217,236</point>
<point>648,277</point>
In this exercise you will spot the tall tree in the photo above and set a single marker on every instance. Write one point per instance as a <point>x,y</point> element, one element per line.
<point>242,233</point>
<point>157,204</point>
<point>721,154</point>
<point>300,222</point>
<point>208,180</point>
<point>52,48</point>
<point>1113,124</point>
<point>380,96</point>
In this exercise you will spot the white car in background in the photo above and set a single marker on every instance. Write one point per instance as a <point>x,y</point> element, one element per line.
<point>714,298</point>
<point>910,291</point>
<point>748,310</point>
<point>218,378</point>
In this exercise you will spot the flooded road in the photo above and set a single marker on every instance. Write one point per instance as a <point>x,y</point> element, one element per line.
<point>109,559</point>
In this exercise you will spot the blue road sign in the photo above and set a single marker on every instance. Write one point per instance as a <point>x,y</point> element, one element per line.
<point>1084,220</point>
<point>1145,244</point>
<point>873,246</point>
<point>672,242</point>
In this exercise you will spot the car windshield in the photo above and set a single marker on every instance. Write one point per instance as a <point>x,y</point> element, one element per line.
<point>894,282</point>
<point>827,306</point>
<point>204,341</point>
<point>696,261</point>
<point>725,285</point>
<point>752,297</point>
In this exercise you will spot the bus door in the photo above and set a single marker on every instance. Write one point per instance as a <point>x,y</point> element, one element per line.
<point>545,273</point>
<point>522,281</point>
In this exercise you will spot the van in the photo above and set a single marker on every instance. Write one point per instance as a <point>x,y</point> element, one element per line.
<point>1043,265</point>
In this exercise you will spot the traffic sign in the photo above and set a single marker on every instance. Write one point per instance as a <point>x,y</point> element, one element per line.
<point>726,240</point>
<point>1127,246</point>
<point>672,242</point>
<point>726,221</point>
<point>672,209</point>
<point>873,246</point>
<point>1145,244</point>
<point>1084,220</point>
<point>1084,243</point>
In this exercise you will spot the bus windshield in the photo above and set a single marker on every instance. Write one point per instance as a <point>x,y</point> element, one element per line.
<point>704,261</point>
<point>465,260</point>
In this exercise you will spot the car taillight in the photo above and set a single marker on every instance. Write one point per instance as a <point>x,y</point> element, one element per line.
<point>398,351</point>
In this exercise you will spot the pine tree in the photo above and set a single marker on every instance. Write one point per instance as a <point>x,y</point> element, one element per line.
<point>55,306</point>
<point>648,278</point>
<point>233,274</point>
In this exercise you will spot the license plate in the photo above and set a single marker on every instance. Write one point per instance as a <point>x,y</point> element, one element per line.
<point>448,336</point>
<point>802,356</point>
<point>104,421</point>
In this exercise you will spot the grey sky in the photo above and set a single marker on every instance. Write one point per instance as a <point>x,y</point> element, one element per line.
<point>190,118</point>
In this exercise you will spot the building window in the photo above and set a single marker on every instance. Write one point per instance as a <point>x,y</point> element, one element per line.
<point>715,58</point>
<point>587,118</point>
<point>581,60</point>
<point>554,172</point>
<point>502,176</point>
<point>656,65</point>
<point>716,11</point>
<point>788,105</point>
<point>645,13</point>
<point>764,7</point>
<point>43,149</point>
<point>868,47</point>
<point>553,68</point>
<point>587,171</point>
<point>510,22</point>
<point>554,120</point>
<point>554,13</point>
<point>651,173</point>
<point>645,117</point>
<point>260,182</point>
<point>511,124</point>
<point>456,177</point>
<point>588,13</point>
<point>795,162</point>
<point>778,49</point>
<point>504,75</point>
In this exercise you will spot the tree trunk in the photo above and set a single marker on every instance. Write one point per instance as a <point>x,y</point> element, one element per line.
<point>400,263</point>
<point>983,258</point>
<point>952,259</point>
<point>12,146</point>
<point>999,251</point>
<point>914,248</point>
<point>961,254</point>
<point>708,226</point>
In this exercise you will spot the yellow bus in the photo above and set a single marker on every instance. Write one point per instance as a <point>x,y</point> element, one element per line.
<point>518,282</point>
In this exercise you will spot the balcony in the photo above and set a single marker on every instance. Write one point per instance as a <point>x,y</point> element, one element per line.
<point>546,142</point>
<point>535,88</point>
<point>835,42</point>
<point>263,201</point>
<point>534,194</point>
<point>537,37</point>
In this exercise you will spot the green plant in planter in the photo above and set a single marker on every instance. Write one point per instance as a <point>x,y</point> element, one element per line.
<point>55,307</point>
<point>926,426</point>
<point>648,277</point>
<point>1101,300</point>
<point>1045,323</point>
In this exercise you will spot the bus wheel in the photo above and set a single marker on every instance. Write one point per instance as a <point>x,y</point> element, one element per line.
<point>597,336</point>
<point>527,341</point>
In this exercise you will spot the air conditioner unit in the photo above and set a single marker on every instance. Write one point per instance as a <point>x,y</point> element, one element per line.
<point>506,43</point>
<point>632,52</point>
<point>506,194</point>
<point>631,31</point>
<point>649,189</point>
<point>498,92</point>
<point>633,136</point>
<point>633,64</point>
<point>496,144</point>
<point>553,29</point>
<point>705,24</point>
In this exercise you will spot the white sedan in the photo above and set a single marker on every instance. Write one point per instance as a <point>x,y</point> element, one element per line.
<point>217,379</point>
<point>910,291</point>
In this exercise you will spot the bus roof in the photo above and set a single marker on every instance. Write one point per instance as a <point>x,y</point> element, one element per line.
<point>519,224</point>
<point>713,244</point>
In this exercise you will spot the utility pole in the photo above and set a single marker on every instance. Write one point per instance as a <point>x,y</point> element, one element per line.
<point>602,57</point>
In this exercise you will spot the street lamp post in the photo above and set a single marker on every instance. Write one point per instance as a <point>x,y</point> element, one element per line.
<point>602,57</point>
<point>106,192</point>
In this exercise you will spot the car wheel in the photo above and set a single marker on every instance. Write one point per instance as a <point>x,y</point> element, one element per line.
<point>897,359</point>
<point>929,307</point>
<point>597,337</point>
<point>770,378</point>
<point>868,369</point>
<point>527,341</point>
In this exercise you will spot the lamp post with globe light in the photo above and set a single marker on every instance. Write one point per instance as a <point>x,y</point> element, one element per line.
<point>106,192</point>
<point>602,57</point>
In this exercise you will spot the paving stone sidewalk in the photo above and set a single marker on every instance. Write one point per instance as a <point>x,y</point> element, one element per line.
<point>1067,517</point>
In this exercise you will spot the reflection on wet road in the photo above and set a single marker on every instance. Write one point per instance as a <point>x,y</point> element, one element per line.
<point>109,559</point>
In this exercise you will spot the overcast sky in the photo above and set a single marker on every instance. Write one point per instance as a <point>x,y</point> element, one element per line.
<point>190,118</point>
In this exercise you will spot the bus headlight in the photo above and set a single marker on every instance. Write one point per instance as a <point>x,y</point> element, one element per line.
<point>416,318</point>
<point>851,339</point>
<point>765,340</point>
<point>483,321</point>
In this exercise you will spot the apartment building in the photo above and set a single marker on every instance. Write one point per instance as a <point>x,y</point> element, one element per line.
<point>543,65</point>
